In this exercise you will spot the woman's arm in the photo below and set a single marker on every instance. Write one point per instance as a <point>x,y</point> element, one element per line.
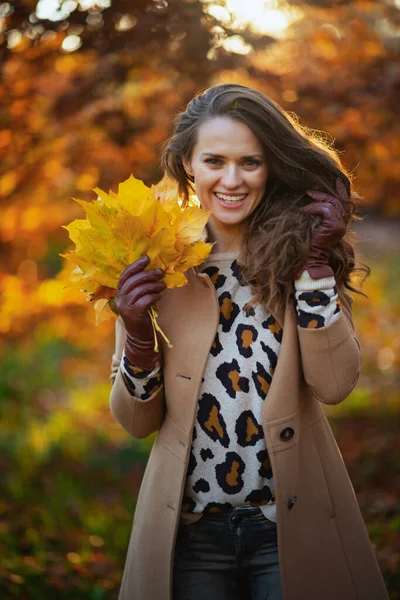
<point>330,354</point>
<point>141,383</point>
<point>330,351</point>
<point>138,417</point>
<point>317,301</point>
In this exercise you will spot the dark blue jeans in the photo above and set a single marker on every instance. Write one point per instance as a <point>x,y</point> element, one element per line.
<point>228,556</point>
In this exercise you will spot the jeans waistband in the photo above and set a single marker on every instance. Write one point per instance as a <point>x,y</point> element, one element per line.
<point>242,510</point>
<point>245,509</point>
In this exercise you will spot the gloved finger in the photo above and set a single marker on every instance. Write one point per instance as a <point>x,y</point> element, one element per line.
<point>144,302</point>
<point>335,206</point>
<point>342,205</point>
<point>344,196</point>
<point>136,267</point>
<point>139,279</point>
<point>142,290</point>
<point>317,208</point>
<point>323,197</point>
<point>341,190</point>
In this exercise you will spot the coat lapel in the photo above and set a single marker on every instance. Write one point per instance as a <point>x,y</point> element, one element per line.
<point>189,316</point>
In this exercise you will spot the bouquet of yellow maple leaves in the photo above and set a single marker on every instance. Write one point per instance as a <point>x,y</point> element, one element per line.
<point>119,228</point>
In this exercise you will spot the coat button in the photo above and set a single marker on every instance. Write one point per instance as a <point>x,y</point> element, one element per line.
<point>286,434</point>
<point>291,502</point>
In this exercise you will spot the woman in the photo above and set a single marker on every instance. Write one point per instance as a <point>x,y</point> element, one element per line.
<point>245,493</point>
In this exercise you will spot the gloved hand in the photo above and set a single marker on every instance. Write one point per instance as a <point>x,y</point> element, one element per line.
<point>136,290</point>
<point>336,215</point>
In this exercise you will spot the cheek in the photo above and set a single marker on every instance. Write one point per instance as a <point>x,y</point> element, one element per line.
<point>204,177</point>
<point>204,181</point>
<point>259,180</point>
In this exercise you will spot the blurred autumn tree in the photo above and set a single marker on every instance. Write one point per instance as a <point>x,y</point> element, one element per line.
<point>87,95</point>
<point>73,120</point>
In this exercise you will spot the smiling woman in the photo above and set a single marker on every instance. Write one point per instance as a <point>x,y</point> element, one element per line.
<point>245,493</point>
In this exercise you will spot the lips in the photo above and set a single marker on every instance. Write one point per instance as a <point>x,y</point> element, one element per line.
<point>230,197</point>
<point>230,200</point>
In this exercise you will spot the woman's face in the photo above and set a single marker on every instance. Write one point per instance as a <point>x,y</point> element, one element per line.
<point>229,168</point>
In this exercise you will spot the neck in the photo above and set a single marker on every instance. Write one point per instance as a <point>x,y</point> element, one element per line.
<point>226,239</point>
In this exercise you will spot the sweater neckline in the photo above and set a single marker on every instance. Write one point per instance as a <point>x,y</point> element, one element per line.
<point>222,256</point>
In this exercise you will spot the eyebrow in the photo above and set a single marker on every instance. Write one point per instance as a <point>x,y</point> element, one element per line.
<point>222,156</point>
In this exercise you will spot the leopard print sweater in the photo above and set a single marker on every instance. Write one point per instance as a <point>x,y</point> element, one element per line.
<point>229,463</point>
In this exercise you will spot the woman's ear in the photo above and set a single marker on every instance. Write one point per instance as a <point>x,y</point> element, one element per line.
<point>187,166</point>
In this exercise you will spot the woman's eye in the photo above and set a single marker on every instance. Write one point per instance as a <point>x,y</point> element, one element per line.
<point>212,161</point>
<point>251,162</point>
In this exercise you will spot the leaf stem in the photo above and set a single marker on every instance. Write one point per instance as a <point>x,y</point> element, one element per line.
<point>153,316</point>
<point>156,348</point>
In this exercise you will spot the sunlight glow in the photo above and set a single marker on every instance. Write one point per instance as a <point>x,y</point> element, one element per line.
<point>236,44</point>
<point>57,10</point>
<point>269,17</point>
<point>71,43</point>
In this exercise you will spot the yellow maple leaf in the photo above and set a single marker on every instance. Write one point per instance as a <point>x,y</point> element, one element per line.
<point>166,191</point>
<point>121,227</point>
<point>102,310</point>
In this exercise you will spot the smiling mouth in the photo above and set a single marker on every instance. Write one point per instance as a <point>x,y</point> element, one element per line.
<point>230,198</point>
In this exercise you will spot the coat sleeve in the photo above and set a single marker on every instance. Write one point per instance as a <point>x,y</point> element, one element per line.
<point>330,356</point>
<point>137,417</point>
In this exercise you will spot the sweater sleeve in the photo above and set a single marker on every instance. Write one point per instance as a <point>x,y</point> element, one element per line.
<point>317,301</point>
<point>336,350</point>
<point>138,417</point>
<point>140,383</point>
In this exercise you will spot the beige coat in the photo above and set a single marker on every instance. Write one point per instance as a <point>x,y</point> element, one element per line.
<point>324,549</point>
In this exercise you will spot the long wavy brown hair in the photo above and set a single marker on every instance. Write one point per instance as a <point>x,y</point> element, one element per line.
<point>277,234</point>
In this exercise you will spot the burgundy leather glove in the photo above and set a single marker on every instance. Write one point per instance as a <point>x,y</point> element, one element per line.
<point>336,215</point>
<point>136,290</point>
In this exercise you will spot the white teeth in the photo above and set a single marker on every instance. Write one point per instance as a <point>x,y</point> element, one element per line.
<point>232,199</point>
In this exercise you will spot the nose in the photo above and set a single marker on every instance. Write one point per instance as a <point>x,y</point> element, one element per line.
<point>231,177</point>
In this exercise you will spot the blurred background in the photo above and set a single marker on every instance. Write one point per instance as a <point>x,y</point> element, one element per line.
<point>88,91</point>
